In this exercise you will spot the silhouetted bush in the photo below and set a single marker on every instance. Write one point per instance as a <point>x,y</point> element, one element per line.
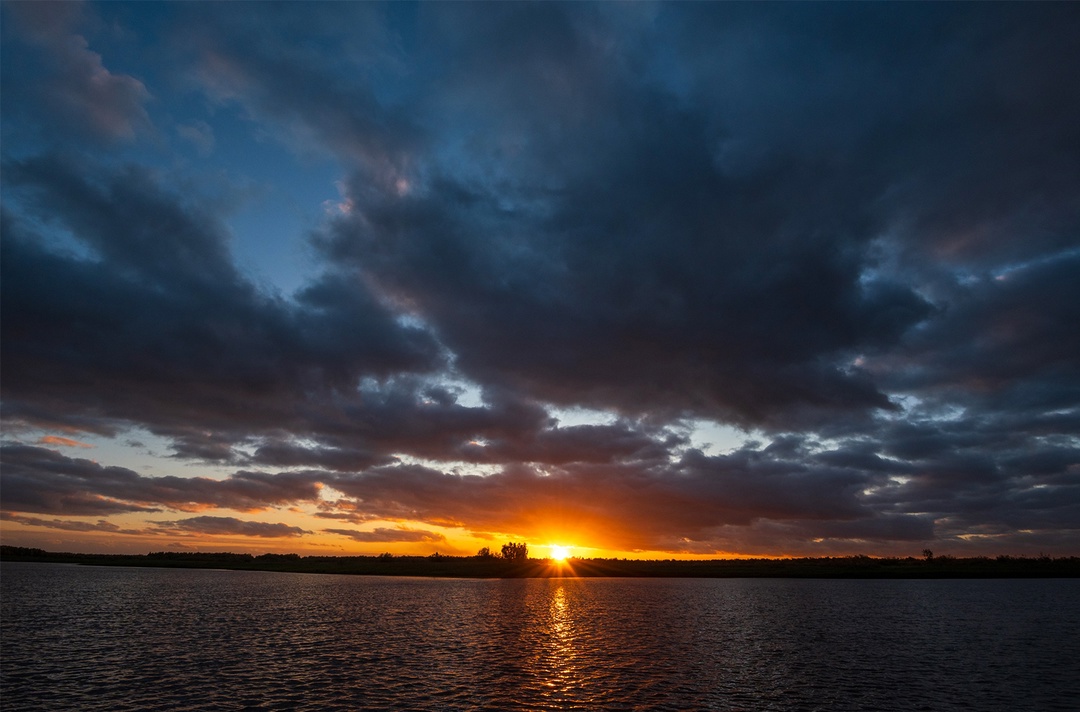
<point>515,551</point>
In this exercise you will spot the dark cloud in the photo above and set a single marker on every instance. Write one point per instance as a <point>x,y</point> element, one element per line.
<point>1004,344</point>
<point>69,525</point>
<point>56,85</point>
<point>637,259</point>
<point>578,443</point>
<point>297,92</point>
<point>411,418</point>
<point>953,124</point>
<point>231,526</point>
<point>285,454</point>
<point>159,316</point>
<point>40,480</point>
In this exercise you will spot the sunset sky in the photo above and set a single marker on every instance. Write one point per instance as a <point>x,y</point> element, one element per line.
<point>646,280</point>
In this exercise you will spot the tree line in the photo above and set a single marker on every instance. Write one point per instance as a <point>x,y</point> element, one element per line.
<point>511,551</point>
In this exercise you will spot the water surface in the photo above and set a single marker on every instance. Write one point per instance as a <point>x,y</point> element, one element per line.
<point>105,638</point>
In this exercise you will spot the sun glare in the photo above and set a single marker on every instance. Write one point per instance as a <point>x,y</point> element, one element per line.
<point>560,553</point>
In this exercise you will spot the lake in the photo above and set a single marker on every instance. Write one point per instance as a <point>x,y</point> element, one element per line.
<point>111,638</point>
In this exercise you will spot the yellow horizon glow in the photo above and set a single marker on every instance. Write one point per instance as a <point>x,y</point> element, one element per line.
<point>141,539</point>
<point>139,533</point>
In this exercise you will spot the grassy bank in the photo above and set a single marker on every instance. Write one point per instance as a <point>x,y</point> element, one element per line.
<point>476,567</point>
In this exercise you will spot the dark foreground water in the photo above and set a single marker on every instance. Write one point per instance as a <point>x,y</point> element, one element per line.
<point>102,638</point>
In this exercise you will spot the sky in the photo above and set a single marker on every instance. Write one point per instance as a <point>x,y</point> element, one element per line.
<point>646,280</point>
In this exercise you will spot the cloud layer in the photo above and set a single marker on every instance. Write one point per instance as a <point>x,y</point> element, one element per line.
<point>852,232</point>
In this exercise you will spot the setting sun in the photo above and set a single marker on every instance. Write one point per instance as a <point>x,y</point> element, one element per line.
<point>560,553</point>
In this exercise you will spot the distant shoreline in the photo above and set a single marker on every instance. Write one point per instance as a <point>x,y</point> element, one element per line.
<point>851,567</point>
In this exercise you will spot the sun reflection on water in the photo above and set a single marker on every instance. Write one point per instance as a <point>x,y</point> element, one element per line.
<point>560,663</point>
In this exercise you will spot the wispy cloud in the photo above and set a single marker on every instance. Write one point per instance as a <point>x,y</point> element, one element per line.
<point>63,442</point>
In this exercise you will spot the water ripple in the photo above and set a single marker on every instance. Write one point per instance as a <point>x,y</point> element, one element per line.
<point>88,638</point>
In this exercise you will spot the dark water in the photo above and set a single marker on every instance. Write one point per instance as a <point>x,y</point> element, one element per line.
<point>90,638</point>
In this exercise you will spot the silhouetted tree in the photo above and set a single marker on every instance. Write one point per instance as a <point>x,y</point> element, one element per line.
<point>485,553</point>
<point>514,551</point>
<point>927,554</point>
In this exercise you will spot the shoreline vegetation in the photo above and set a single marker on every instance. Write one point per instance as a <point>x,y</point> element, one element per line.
<point>441,566</point>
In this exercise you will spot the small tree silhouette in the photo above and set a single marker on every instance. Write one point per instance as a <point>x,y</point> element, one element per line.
<point>927,554</point>
<point>485,553</point>
<point>513,551</point>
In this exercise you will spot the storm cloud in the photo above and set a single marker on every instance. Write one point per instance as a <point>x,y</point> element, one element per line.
<point>541,255</point>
